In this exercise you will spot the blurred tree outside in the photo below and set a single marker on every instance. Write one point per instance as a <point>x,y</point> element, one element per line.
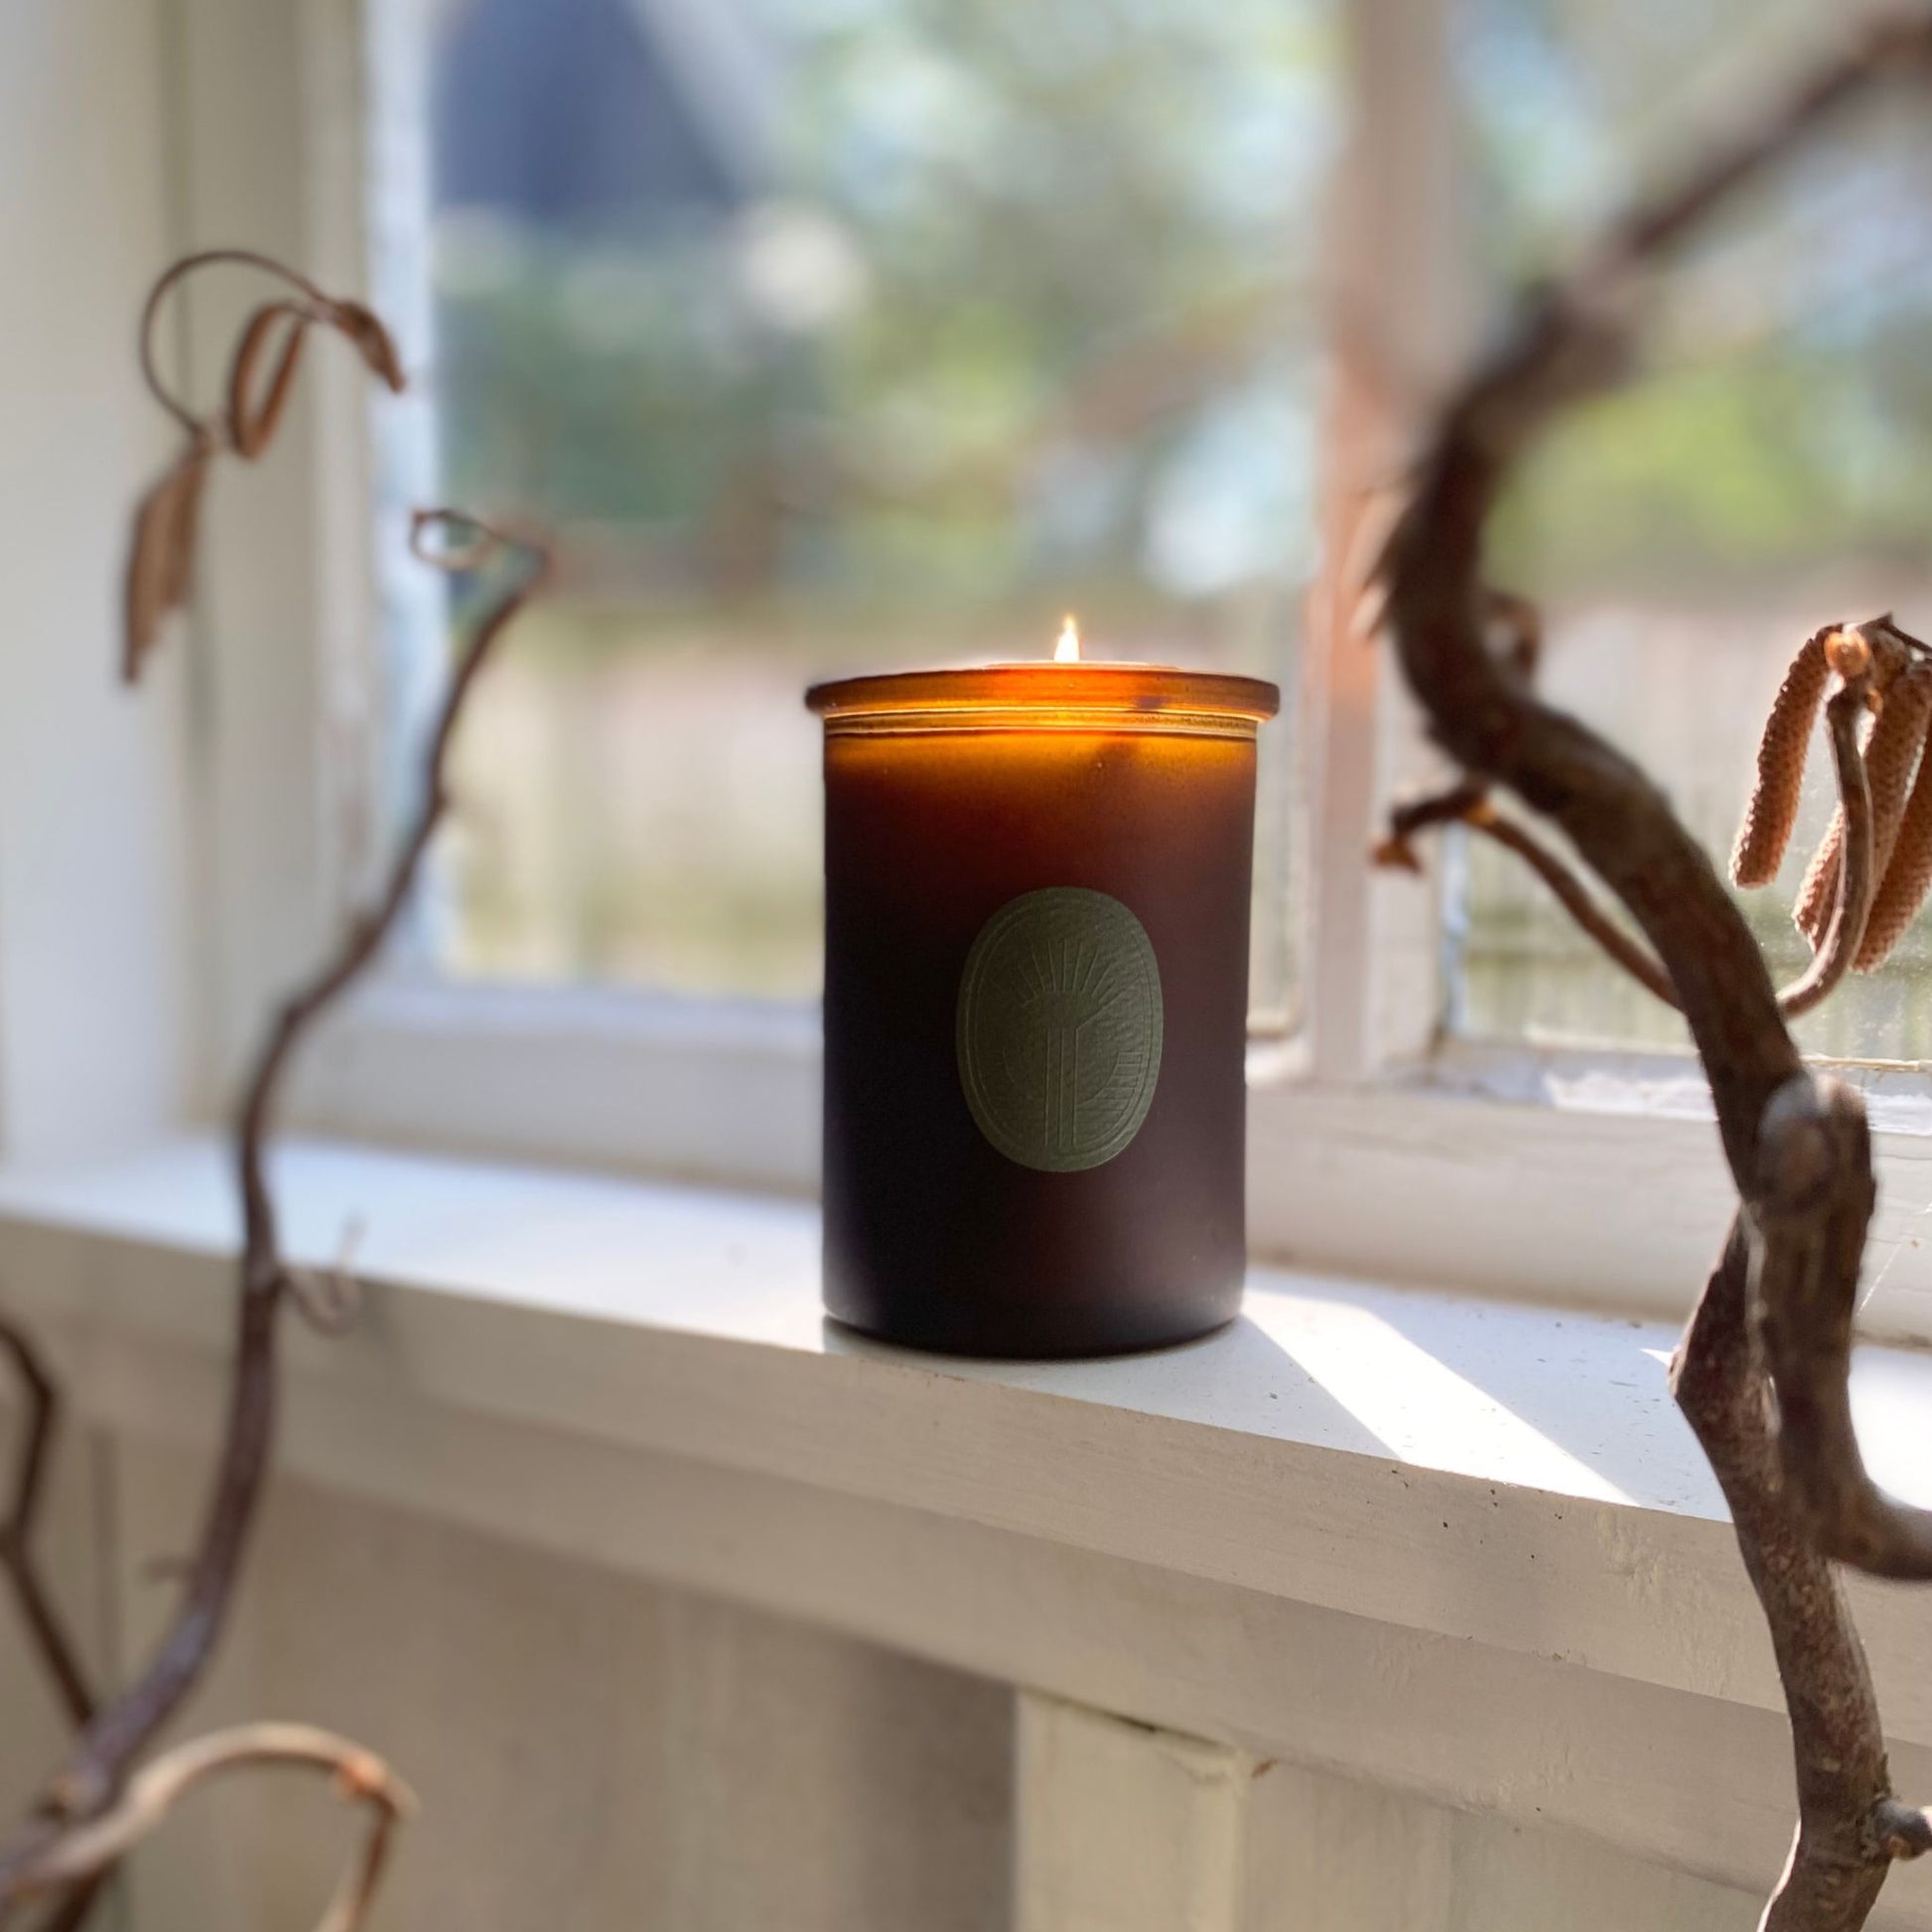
<point>844,334</point>
<point>914,323</point>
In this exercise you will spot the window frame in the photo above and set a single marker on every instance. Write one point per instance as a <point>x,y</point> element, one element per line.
<point>1515,1172</point>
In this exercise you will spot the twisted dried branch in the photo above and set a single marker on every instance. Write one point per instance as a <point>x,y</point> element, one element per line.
<point>78,1857</point>
<point>71,1911</point>
<point>101,1763</point>
<point>94,1806</point>
<point>1850,1826</point>
<point>1762,1373</point>
<point>1813,1205</point>
<point>40,1426</point>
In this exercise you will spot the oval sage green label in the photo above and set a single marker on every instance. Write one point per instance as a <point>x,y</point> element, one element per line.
<point>1058,1030</point>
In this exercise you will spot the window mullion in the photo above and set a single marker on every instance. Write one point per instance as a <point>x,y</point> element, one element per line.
<point>1398,327</point>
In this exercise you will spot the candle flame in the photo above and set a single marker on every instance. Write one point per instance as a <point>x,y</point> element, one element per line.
<point>1067,650</point>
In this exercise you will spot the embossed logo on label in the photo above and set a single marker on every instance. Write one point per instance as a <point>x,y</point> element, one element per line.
<point>1058,1030</point>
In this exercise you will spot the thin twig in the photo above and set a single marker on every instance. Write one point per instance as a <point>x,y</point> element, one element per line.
<point>102,1762</point>
<point>356,320</point>
<point>79,1856</point>
<point>1469,804</point>
<point>1451,806</point>
<point>1577,900</point>
<point>41,1425</point>
<point>71,1913</point>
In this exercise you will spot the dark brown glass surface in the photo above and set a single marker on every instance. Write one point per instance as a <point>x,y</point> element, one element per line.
<point>933,1237</point>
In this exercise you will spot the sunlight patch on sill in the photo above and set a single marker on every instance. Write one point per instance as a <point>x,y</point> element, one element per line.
<point>1422,1409</point>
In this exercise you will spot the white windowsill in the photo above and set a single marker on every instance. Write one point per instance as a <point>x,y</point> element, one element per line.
<point>1516,1169</point>
<point>1452,1502</point>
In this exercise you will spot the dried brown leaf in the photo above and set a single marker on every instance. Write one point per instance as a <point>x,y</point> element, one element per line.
<point>251,422</point>
<point>372,341</point>
<point>161,557</point>
<point>161,554</point>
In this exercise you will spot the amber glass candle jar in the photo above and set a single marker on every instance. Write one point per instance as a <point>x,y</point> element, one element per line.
<point>1036,888</point>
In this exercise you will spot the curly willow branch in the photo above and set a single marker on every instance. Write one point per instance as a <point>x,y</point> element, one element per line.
<point>101,1776</point>
<point>1803,1174</point>
<point>40,1425</point>
<point>1814,1202</point>
<point>77,1859</point>
<point>1850,1826</point>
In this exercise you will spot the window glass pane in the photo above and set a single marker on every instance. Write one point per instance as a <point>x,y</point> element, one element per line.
<point>1774,474</point>
<point>833,335</point>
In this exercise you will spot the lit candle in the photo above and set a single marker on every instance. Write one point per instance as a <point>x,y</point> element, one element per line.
<point>1036,887</point>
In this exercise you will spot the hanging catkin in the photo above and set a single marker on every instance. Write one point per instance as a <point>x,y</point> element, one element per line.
<point>1892,756</point>
<point>1772,809</point>
<point>1890,751</point>
<point>1811,910</point>
<point>1907,876</point>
